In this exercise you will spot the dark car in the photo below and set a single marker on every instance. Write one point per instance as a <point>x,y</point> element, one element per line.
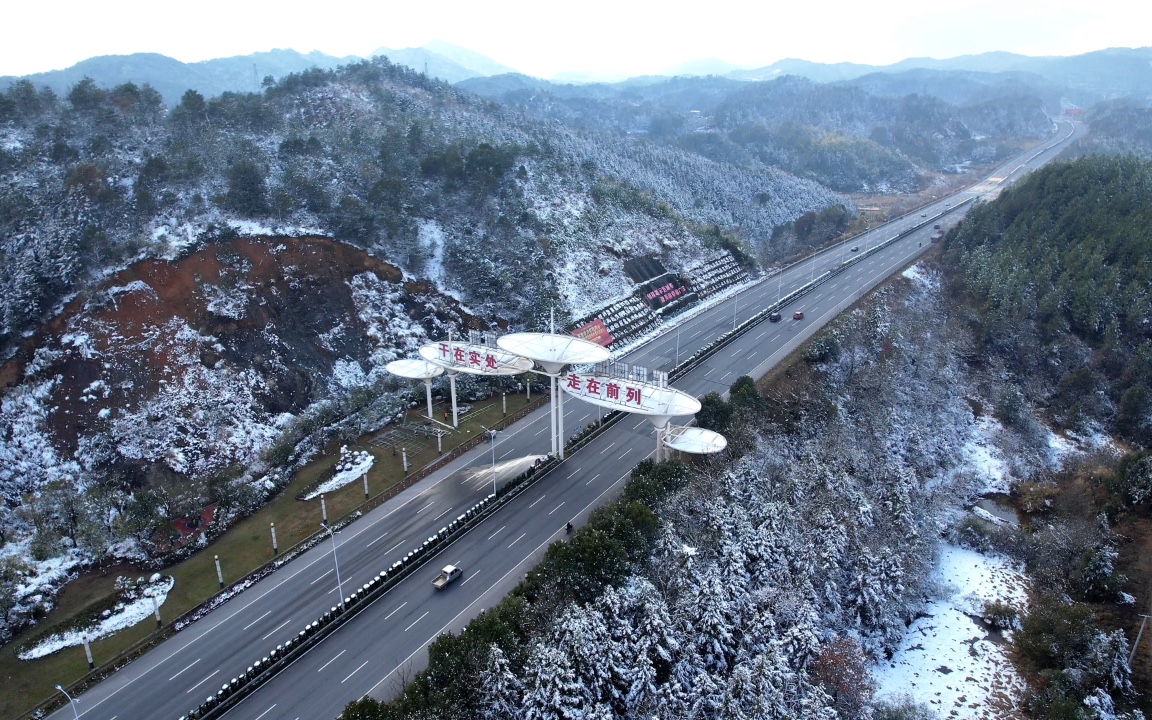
<point>774,317</point>
<point>798,315</point>
<point>855,248</point>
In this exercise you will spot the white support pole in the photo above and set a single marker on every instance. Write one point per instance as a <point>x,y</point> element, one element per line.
<point>404,459</point>
<point>365,486</point>
<point>156,611</point>
<point>504,402</point>
<point>560,416</point>
<point>275,545</point>
<point>428,395</point>
<point>455,413</point>
<point>219,573</point>
<point>439,444</point>
<point>323,509</point>
<point>88,653</point>
<point>552,410</point>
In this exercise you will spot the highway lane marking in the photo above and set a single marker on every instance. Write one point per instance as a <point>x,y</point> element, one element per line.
<point>178,674</point>
<point>353,673</point>
<point>518,539</point>
<point>266,711</point>
<point>430,504</point>
<point>556,508</point>
<point>752,355</point>
<point>761,334</point>
<point>585,416</point>
<point>470,576</point>
<point>374,542</point>
<point>255,621</point>
<point>624,453</point>
<point>709,372</point>
<point>332,660</point>
<point>321,577</point>
<point>393,547</point>
<point>417,620</point>
<point>281,625</point>
<point>538,431</point>
<point>725,375</point>
<point>497,532</point>
<point>593,478</point>
<point>575,473</point>
<point>610,446</point>
<point>537,500</point>
<point>637,425</point>
<point>441,514</point>
<point>214,672</point>
<point>396,610</point>
<point>508,453</point>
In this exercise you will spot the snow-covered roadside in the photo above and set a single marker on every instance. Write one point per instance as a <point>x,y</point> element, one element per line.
<point>351,467</point>
<point>949,660</point>
<point>125,615</point>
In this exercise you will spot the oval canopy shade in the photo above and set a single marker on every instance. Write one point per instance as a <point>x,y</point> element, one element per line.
<point>697,441</point>
<point>414,369</point>
<point>553,351</point>
<point>474,359</point>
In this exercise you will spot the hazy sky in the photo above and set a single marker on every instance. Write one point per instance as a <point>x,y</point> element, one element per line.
<point>614,37</point>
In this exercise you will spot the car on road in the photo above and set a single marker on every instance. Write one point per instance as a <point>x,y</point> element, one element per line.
<point>923,214</point>
<point>855,248</point>
<point>798,315</point>
<point>774,317</point>
<point>446,576</point>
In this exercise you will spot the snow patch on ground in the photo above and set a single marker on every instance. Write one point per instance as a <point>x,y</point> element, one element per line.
<point>124,616</point>
<point>981,456</point>
<point>949,660</point>
<point>917,275</point>
<point>350,468</point>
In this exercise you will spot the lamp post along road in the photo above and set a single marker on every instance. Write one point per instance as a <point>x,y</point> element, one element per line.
<point>336,562</point>
<point>71,701</point>
<point>492,447</point>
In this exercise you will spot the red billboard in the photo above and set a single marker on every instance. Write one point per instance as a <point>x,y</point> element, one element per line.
<point>596,332</point>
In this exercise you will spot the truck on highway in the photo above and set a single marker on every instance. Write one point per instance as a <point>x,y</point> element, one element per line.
<point>447,575</point>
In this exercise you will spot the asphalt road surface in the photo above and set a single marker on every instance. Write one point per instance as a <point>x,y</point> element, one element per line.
<point>386,643</point>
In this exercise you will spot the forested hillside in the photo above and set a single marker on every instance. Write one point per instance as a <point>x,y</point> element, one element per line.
<point>1118,127</point>
<point>859,137</point>
<point>507,213</point>
<point>1058,273</point>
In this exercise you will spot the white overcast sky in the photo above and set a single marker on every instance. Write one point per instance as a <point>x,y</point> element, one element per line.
<point>542,38</point>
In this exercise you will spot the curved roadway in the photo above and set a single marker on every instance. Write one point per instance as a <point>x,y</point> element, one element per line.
<point>379,649</point>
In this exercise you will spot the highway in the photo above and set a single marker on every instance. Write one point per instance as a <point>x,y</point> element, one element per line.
<point>383,646</point>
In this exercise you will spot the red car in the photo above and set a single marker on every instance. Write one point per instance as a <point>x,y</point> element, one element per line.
<point>798,315</point>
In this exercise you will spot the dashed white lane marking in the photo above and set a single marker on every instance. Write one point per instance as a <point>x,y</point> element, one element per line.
<point>332,660</point>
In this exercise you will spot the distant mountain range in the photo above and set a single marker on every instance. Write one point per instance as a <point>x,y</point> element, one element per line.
<point>246,73</point>
<point>1084,79</point>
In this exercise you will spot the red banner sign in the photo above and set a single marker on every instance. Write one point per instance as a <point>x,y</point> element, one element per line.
<point>596,332</point>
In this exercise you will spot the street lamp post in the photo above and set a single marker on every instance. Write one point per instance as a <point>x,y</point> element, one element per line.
<point>336,562</point>
<point>492,447</point>
<point>71,701</point>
